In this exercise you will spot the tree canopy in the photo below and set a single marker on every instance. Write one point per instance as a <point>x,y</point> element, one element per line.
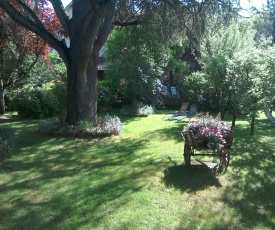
<point>90,25</point>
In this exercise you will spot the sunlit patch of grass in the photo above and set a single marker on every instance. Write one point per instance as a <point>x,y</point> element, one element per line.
<point>136,180</point>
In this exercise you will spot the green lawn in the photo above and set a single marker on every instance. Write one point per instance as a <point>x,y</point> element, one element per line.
<point>136,180</point>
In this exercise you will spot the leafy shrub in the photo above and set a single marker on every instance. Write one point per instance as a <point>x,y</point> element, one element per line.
<point>140,111</point>
<point>128,110</point>
<point>104,94</point>
<point>106,126</point>
<point>58,89</point>
<point>35,103</point>
<point>6,143</point>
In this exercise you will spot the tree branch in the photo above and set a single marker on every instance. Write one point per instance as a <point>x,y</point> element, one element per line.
<point>36,28</point>
<point>128,23</point>
<point>32,14</point>
<point>96,24</point>
<point>84,21</point>
<point>91,31</point>
<point>105,29</point>
<point>21,75</point>
<point>61,14</point>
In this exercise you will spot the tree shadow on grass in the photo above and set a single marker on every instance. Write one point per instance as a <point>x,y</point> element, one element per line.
<point>8,120</point>
<point>252,172</point>
<point>79,188</point>
<point>189,179</point>
<point>58,183</point>
<point>85,181</point>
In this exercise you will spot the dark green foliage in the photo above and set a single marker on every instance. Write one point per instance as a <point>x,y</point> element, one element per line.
<point>46,82</point>
<point>128,110</point>
<point>35,103</point>
<point>58,68</point>
<point>40,74</point>
<point>197,89</point>
<point>135,58</point>
<point>179,64</point>
<point>105,95</point>
<point>59,91</point>
<point>221,56</point>
<point>6,143</point>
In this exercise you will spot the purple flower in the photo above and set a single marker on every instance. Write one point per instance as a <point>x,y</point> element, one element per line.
<point>209,131</point>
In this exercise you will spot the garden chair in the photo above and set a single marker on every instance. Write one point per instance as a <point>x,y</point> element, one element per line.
<point>191,113</point>
<point>270,117</point>
<point>164,91</point>
<point>181,112</point>
<point>174,92</point>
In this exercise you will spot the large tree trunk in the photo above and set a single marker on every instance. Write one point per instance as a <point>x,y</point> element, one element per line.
<point>2,100</point>
<point>88,30</point>
<point>253,118</point>
<point>88,33</point>
<point>82,92</point>
<point>273,31</point>
<point>252,124</point>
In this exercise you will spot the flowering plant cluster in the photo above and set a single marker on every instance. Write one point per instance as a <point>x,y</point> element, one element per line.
<point>210,132</point>
<point>105,126</point>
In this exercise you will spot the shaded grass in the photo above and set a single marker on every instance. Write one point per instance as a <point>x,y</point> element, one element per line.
<point>135,180</point>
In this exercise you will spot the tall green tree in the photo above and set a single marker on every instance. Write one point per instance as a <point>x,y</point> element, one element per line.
<point>239,69</point>
<point>219,53</point>
<point>260,78</point>
<point>135,57</point>
<point>90,25</point>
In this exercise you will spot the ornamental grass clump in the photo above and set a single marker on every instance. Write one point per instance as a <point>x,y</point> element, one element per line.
<point>210,132</point>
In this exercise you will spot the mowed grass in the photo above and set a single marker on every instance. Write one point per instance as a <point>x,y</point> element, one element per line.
<point>136,180</point>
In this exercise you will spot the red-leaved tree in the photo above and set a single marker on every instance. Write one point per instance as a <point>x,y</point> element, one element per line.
<point>20,49</point>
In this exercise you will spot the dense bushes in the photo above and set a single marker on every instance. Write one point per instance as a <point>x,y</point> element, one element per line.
<point>35,103</point>
<point>6,143</point>
<point>105,96</point>
<point>105,126</point>
<point>58,90</point>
